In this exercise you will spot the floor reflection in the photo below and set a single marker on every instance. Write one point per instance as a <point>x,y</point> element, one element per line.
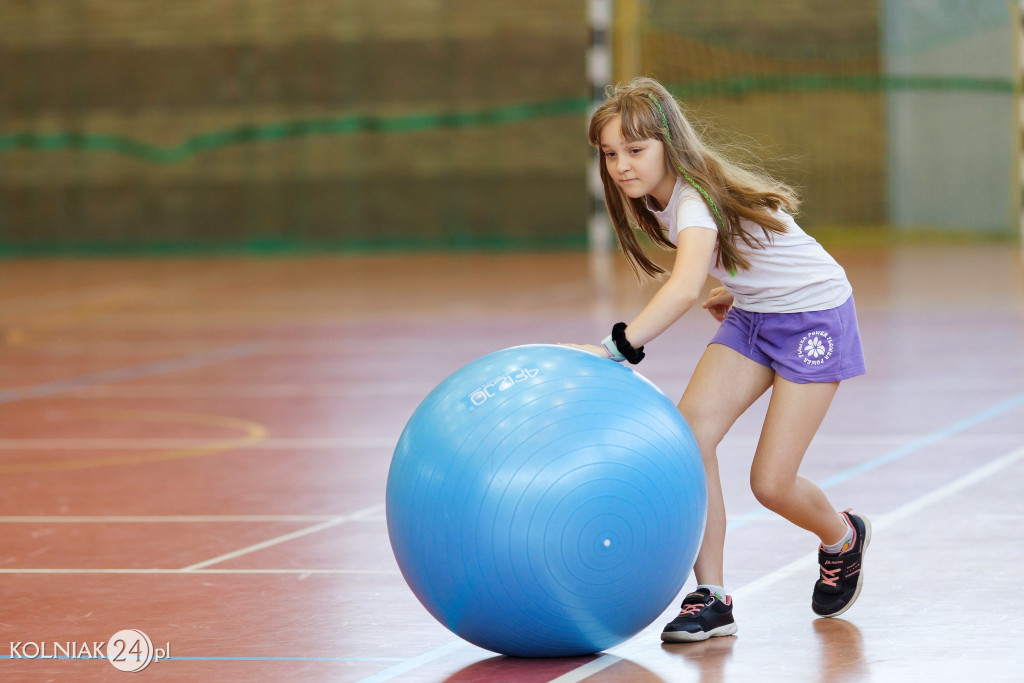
<point>708,656</point>
<point>503,669</point>
<point>842,651</point>
<point>840,654</point>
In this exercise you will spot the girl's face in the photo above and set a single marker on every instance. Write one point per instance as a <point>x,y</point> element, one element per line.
<point>637,167</point>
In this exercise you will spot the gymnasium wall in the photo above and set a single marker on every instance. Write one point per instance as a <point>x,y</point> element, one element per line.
<point>272,125</point>
<point>901,115</point>
<point>787,85</point>
<point>277,124</point>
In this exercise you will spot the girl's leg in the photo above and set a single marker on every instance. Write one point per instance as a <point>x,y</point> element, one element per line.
<point>794,414</point>
<point>724,384</point>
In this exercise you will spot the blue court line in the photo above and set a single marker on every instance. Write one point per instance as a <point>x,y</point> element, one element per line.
<point>286,659</point>
<point>897,453</point>
<point>927,440</point>
<point>160,367</point>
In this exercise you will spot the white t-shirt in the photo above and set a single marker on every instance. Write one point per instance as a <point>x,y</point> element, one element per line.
<point>791,274</point>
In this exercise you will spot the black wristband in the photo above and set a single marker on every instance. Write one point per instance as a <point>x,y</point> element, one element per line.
<point>632,355</point>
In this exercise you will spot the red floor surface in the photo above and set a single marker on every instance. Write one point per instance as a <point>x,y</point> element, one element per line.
<point>199,450</point>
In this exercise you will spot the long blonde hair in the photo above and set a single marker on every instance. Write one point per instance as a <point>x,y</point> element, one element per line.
<point>733,192</point>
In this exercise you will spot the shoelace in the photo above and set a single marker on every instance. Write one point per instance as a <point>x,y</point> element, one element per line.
<point>830,576</point>
<point>692,608</point>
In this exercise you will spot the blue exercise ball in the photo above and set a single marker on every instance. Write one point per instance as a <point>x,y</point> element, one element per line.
<point>546,502</point>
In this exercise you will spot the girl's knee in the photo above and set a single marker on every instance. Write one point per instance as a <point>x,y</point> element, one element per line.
<point>708,432</point>
<point>771,492</point>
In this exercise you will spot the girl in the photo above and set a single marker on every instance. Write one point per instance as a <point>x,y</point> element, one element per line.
<point>787,323</point>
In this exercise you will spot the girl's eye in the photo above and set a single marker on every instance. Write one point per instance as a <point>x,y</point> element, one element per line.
<point>636,150</point>
<point>609,155</point>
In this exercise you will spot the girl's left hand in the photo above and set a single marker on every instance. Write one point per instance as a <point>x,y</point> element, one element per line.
<point>719,302</point>
<point>596,350</point>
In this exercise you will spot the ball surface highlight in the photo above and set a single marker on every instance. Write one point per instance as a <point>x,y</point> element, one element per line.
<point>543,501</point>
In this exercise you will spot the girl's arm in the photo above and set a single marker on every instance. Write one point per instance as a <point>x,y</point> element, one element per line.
<point>695,250</point>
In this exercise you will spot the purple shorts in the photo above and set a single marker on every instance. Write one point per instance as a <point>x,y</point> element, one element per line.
<point>818,346</point>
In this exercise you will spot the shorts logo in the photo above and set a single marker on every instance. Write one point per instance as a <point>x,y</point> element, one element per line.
<point>815,348</point>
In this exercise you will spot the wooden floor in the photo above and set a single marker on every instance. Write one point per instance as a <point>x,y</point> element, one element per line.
<point>198,449</point>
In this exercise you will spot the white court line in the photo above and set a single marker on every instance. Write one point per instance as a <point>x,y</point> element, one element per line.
<point>285,537</point>
<point>151,570</point>
<point>800,564</point>
<point>588,669</point>
<point>131,444</point>
<point>329,443</point>
<point>415,662</point>
<point>182,519</point>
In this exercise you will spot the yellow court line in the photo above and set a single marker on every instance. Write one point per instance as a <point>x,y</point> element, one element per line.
<point>253,432</point>
<point>20,334</point>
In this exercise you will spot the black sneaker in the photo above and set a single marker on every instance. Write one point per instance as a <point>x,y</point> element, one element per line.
<point>841,576</point>
<point>703,616</point>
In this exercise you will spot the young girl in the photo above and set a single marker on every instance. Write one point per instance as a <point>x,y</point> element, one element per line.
<point>787,323</point>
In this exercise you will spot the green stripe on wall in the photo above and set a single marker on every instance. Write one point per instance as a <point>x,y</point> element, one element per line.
<point>753,84</point>
<point>296,247</point>
<point>725,87</point>
<point>292,129</point>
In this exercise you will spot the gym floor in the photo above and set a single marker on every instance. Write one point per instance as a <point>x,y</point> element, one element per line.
<point>198,449</point>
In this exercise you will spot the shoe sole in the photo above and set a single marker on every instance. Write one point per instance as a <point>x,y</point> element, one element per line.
<point>685,637</point>
<point>860,578</point>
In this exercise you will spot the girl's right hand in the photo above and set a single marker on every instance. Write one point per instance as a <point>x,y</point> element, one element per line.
<point>719,302</point>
